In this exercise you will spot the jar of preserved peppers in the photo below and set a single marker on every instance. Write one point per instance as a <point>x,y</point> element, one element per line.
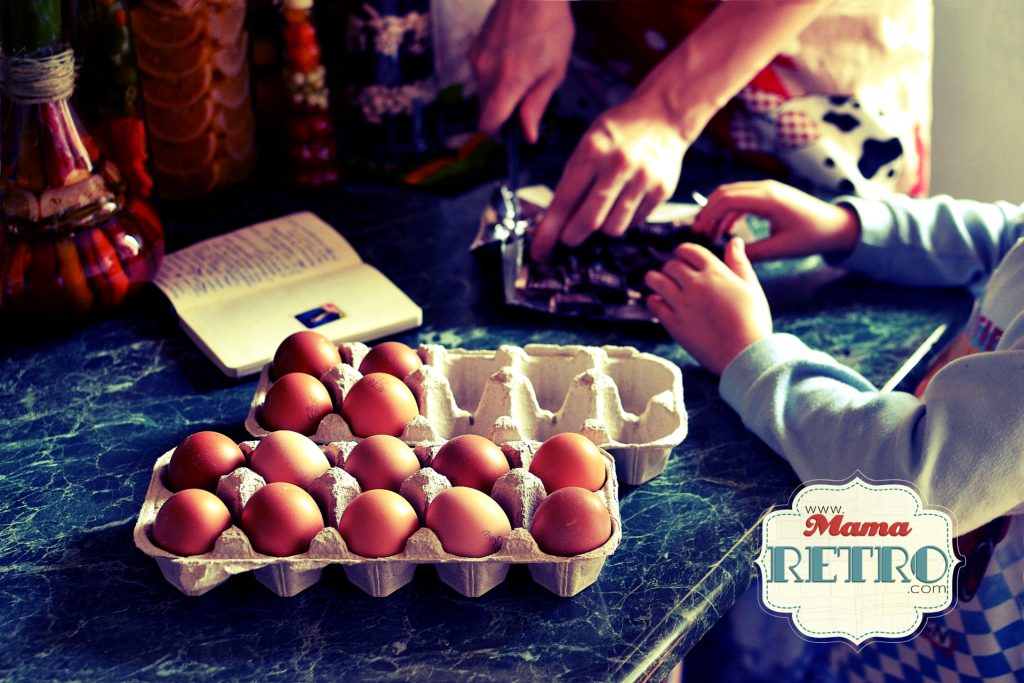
<point>311,149</point>
<point>77,232</point>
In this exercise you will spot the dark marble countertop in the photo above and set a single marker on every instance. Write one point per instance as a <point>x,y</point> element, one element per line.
<point>85,415</point>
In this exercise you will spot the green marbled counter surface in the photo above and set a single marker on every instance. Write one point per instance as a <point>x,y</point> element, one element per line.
<point>85,415</point>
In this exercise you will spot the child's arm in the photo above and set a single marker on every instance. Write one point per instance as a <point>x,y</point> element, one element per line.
<point>801,224</point>
<point>925,242</point>
<point>961,444</point>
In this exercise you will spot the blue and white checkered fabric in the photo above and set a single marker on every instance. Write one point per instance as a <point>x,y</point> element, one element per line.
<point>980,640</point>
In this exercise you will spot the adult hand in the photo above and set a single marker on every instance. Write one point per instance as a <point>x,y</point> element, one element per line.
<point>801,225</point>
<point>626,164</point>
<point>714,310</point>
<point>520,58</point>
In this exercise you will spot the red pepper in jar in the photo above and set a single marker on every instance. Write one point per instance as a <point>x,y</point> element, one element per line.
<point>8,140</point>
<point>296,35</point>
<point>127,144</point>
<point>6,247</point>
<point>58,158</point>
<point>14,278</point>
<point>95,267</point>
<point>303,57</point>
<point>131,255</point>
<point>149,226</point>
<point>312,127</point>
<point>29,173</point>
<point>113,280</point>
<point>310,147</point>
<point>45,297</point>
<point>72,273</point>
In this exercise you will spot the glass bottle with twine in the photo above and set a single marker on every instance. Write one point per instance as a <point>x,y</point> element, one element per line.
<point>73,240</point>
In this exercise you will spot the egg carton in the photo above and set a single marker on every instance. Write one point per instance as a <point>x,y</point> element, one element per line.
<point>633,400</point>
<point>518,492</point>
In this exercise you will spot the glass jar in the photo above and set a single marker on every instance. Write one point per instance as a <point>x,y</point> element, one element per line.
<point>88,261</point>
<point>311,151</point>
<point>74,239</point>
<point>195,85</point>
<point>391,98</point>
<point>107,89</point>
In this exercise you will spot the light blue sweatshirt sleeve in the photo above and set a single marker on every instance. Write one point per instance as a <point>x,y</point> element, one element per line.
<point>932,242</point>
<point>962,445</point>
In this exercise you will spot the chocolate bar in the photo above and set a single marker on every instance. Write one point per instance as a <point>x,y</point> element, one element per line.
<point>576,303</point>
<point>661,236</point>
<point>607,285</point>
<point>605,272</point>
<point>544,281</point>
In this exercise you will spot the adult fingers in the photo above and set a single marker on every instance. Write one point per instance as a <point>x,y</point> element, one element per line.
<point>497,107</point>
<point>652,199</point>
<point>573,189</point>
<point>531,109</point>
<point>610,171</point>
<point>626,206</point>
<point>545,239</point>
<point>567,197</point>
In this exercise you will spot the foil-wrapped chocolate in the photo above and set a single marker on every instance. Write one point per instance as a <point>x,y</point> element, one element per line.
<point>604,276</point>
<point>601,278</point>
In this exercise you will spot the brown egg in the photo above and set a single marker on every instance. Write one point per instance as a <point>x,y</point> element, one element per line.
<point>201,459</point>
<point>296,402</point>
<point>468,522</point>
<point>569,460</point>
<point>281,519</point>
<point>381,462</point>
<point>571,521</point>
<point>471,460</point>
<point>190,522</point>
<point>379,404</point>
<point>289,457</point>
<point>394,358</point>
<point>308,352</point>
<point>378,523</point>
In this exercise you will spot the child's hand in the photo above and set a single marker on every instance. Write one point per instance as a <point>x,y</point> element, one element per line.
<point>714,310</point>
<point>801,224</point>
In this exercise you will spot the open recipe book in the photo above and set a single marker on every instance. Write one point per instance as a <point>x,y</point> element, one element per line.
<point>238,295</point>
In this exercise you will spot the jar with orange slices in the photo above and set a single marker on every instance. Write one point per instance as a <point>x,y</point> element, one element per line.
<point>74,239</point>
<point>194,68</point>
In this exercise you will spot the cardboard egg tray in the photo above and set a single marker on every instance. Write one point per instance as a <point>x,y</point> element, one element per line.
<point>627,402</point>
<point>518,493</point>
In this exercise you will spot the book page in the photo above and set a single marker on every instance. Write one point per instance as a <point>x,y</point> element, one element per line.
<point>241,335</point>
<point>253,258</point>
